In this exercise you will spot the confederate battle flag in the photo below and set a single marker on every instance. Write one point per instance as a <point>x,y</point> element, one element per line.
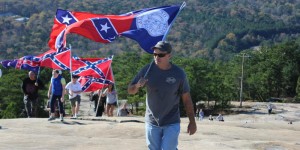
<point>56,59</point>
<point>94,67</point>
<point>90,84</point>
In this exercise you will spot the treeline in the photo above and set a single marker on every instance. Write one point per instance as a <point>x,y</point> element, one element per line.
<point>268,72</point>
<point>202,29</point>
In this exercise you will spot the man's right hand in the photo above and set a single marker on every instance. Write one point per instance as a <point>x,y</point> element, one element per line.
<point>141,82</point>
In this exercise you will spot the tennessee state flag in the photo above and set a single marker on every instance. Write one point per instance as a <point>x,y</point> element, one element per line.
<point>94,67</point>
<point>56,59</point>
<point>146,26</point>
<point>151,25</point>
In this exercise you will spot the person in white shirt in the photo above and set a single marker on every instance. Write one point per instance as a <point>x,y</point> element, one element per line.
<point>201,115</point>
<point>220,117</point>
<point>74,90</point>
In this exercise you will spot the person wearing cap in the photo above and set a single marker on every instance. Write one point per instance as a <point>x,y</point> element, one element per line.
<point>30,87</point>
<point>74,90</point>
<point>165,84</point>
<point>56,92</point>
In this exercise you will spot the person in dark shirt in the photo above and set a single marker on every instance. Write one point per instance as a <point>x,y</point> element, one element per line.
<point>99,106</point>
<point>166,84</point>
<point>30,87</point>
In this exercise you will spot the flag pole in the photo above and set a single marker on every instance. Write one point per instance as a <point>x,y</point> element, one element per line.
<point>165,36</point>
<point>100,94</point>
<point>70,60</point>
<point>168,30</point>
<point>149,68</point>
<point>70,46</point>
<point>38,75</point>
<point>39,70</point>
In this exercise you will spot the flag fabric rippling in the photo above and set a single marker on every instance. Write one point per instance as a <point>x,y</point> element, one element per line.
<point>64,18</point>
<point>95,67</point>
<point>29,62</point>
<point>56,59</point>
<point>146,26</point>
<point>90,84</point>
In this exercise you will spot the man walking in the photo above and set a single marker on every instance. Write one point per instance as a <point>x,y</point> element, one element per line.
<point>30,87</point>
<point>166,84</point>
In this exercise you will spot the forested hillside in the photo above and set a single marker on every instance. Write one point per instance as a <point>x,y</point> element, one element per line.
<point>230,49</point>
<point>213,29</point>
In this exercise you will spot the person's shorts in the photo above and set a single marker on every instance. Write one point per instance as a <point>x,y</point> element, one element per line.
<point>74,100</point>
<point>112,104</point>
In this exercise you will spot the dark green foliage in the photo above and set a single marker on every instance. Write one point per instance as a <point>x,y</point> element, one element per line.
<point>277,72</point>
<point>11,101</point>
<point>201,29</point>
<point>11,111</point>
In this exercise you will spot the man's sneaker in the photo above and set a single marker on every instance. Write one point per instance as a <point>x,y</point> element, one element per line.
<point>51,118</point>
<point>74,117</point>
<point>61,118</point>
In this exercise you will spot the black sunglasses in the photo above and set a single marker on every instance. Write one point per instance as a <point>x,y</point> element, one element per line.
<point>159,55</point>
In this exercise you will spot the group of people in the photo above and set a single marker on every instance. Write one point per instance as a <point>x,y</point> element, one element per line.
<point>56,92</point>
<point>200,116</point>
<point>166,84</point>
<point>57,89</point>
<point>104,104</point>
<point>107,102</point>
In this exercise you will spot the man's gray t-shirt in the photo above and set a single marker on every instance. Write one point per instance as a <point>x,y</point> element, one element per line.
<point>164,89</point>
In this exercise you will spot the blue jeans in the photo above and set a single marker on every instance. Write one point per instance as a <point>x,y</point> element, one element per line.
<point>162,137</point>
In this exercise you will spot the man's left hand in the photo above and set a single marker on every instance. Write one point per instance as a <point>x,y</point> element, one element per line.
<point>192,128</point>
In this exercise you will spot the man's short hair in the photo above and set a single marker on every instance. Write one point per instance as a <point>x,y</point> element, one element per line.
<point>58,71</point>
<point>75,76</point>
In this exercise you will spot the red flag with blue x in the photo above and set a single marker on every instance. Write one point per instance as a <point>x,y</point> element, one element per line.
<point>95,67</point>
<point>90,84</point>
<point>56,59</point>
